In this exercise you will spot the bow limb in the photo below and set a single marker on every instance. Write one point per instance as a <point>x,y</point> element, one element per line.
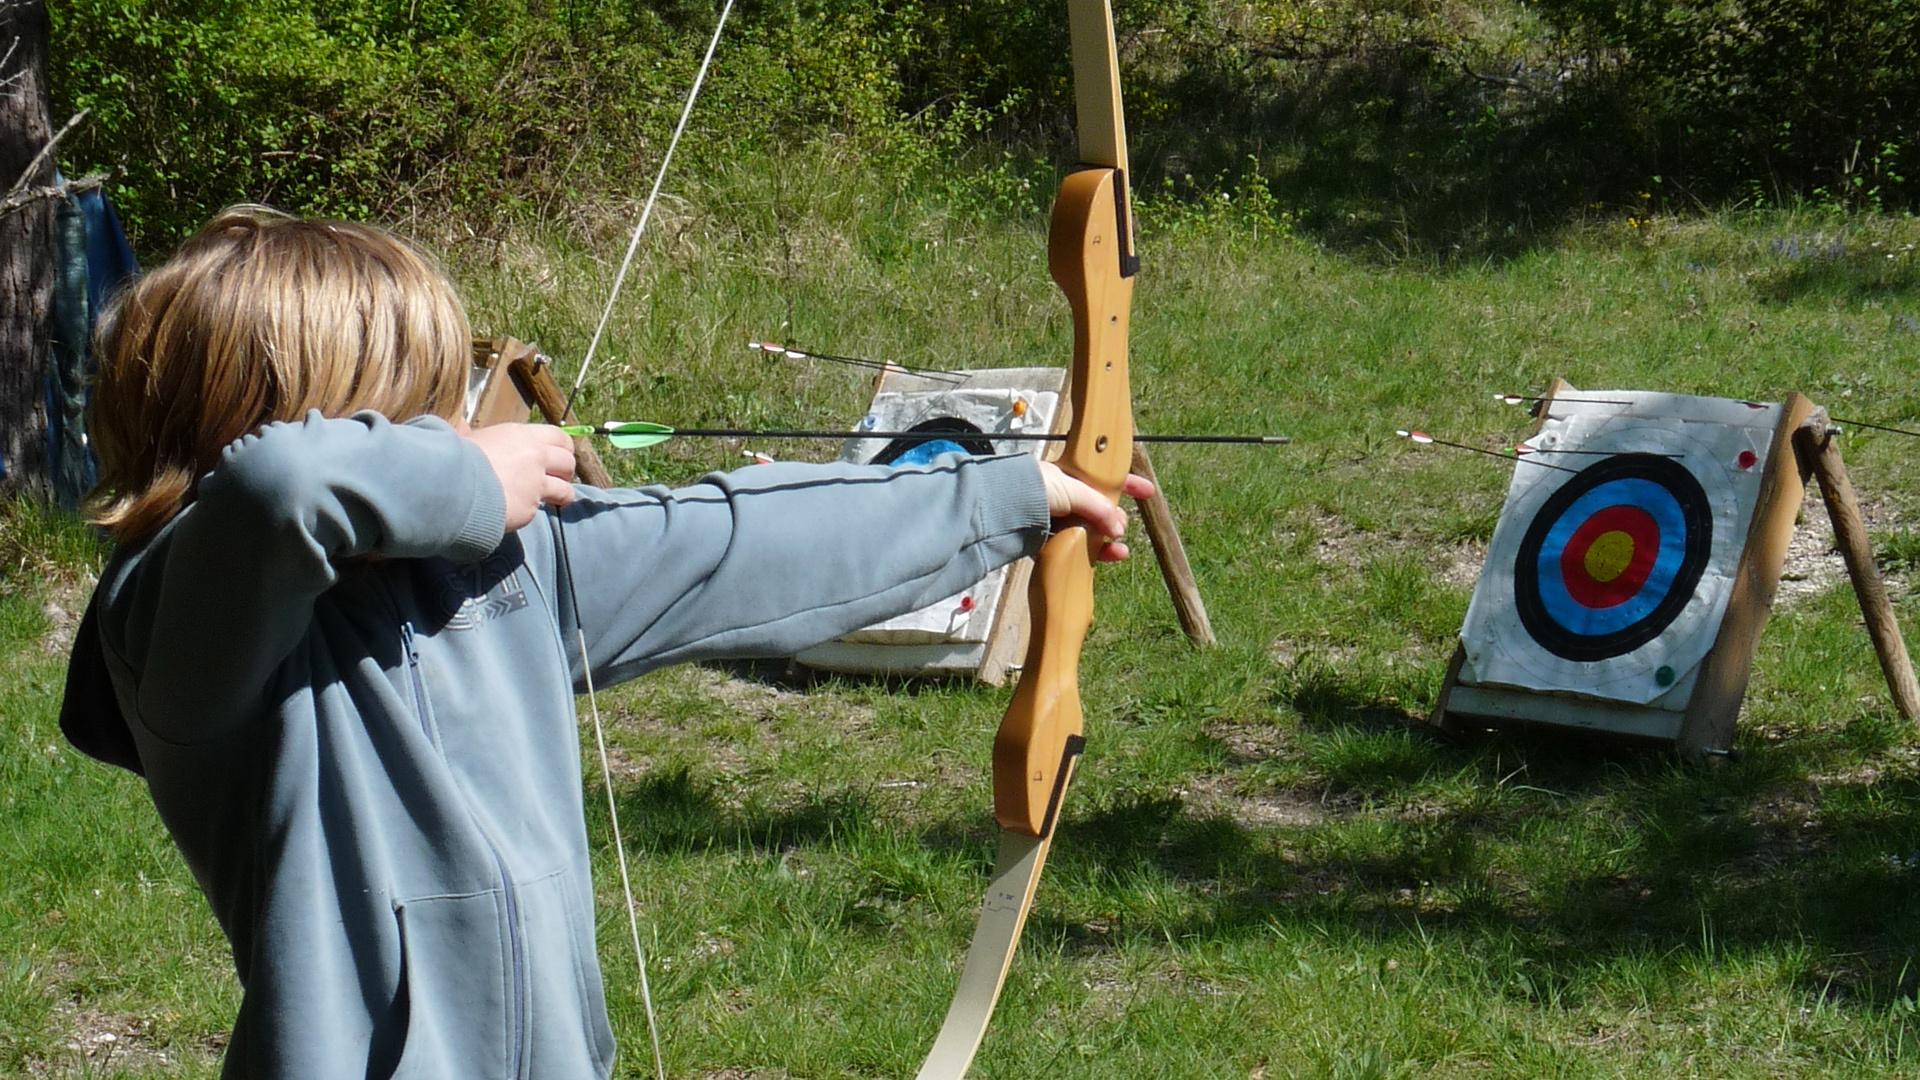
<point>1090,254</point>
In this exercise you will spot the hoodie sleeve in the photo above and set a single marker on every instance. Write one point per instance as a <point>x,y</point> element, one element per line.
<point>771,559</point>
<point>210,607</point>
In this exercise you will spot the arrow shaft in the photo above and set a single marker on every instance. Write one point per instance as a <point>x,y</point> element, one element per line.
<point>1497,454</point>
<point>952,436</point>
<point>1877,427</point>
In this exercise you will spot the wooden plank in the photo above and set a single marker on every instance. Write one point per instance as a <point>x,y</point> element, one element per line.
<point>534,376</point>
<point>1560,711</point>
<point>1715,707</point>
<point>499,400</point>
<point>1441,717</point>
<point>519,380</point>
<point>1006,643</point>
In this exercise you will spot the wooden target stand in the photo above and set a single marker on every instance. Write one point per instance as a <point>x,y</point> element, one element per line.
<point>512,380</point>
<point>1803,446</point>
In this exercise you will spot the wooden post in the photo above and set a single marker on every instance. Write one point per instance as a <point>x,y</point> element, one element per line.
<point>1815,443</point>
<point>1171,553</point>
<point>519,379</point>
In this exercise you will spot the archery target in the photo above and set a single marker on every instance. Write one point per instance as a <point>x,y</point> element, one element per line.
<point>1611,567</point>
<point>1612,557</point>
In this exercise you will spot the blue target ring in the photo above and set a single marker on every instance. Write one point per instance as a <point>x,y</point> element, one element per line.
<point>1583,598</point>
<point>1588,621</point>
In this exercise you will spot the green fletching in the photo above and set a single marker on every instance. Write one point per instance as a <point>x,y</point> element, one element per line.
<point>635,434</point>
<point>624,434</point>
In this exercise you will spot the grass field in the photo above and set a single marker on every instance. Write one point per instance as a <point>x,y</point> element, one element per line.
<point>1266,868</point>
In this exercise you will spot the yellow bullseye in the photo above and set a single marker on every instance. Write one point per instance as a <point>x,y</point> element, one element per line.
<point>1609,555</point>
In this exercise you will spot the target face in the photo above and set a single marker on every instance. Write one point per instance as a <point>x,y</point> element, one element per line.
<point>1612,557</point>
<point>1609,573</point>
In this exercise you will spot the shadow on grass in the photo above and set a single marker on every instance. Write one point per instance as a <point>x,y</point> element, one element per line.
<point>1838,273</point>
<point>1427,840</point>
<point>791,675</point>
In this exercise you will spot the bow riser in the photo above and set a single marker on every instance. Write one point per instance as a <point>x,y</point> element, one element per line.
<point>1087,254</point>
<point>1039,734</point>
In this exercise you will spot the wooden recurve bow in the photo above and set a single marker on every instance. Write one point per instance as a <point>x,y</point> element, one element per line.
<point>1090,254</point>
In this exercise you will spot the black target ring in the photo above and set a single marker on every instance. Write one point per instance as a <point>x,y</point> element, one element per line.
<point>1613,556</point>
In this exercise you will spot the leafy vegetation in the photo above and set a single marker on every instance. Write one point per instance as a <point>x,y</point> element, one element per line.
<point>1428,128</point>
<point>1783,98</point>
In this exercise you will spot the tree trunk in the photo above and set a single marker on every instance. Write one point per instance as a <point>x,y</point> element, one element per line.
<point>26,248</point>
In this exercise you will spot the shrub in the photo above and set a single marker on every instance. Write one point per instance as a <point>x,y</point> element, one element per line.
<point>1768,97</point>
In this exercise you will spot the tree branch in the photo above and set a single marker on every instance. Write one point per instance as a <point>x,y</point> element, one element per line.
<point>9,80</point>
<point>19,197</point>
<point>26,176</point>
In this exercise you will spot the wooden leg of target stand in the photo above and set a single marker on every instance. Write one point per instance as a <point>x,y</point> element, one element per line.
<point>536,377</point>
<point>1815,442</point>
<point>1172,556</point>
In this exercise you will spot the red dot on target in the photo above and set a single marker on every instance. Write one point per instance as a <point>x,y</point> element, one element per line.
<point>966,603</point>
<point>1747,459</point>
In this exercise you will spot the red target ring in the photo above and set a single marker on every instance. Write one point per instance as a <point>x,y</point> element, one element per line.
<point>1609,556</point>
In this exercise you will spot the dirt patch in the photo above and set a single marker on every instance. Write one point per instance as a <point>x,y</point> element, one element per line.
<point>1335,543</point>
<point>1459,565</point>
<point>1292,652</point>
<point>1218,796</point>
<point>101,1043</point>
<point>1813,563</point>
<point>1787,827</point>
<point>1338,545</point>
<point>1246,743</point>
<point>64,602</point>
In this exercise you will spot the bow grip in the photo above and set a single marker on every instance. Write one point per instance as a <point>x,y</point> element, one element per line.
<point>1089,253</point>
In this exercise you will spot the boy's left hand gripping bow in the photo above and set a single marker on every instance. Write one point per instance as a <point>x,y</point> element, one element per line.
<point>1090,253</point>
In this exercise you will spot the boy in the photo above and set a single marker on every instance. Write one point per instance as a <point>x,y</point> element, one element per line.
<point>330,638</point>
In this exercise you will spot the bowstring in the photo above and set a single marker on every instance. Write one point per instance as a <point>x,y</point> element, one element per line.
<point>580,635</point>
<point>646,211</point>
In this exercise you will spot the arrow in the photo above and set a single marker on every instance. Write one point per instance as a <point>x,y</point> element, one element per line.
<point>640,434</point>
<point>773,348</point>
<point>1423,438</point>
<point>1522,399</point>
<point>1876,427</point>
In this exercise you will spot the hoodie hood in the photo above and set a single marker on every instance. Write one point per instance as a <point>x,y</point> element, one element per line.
<point>90,715</point>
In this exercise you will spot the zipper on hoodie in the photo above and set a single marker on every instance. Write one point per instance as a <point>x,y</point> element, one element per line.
<point>516,946</point>
<point>419,684</point>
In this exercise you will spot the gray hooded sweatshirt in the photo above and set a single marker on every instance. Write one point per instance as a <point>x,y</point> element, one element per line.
<point>351,695</point>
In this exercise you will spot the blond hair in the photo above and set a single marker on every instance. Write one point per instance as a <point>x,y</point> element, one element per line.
<point>262,317</point>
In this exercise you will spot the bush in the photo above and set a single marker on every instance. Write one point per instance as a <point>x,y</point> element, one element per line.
<point>437,109</point>
<point>1768,98</point>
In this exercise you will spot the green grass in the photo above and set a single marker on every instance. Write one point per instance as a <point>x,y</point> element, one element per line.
<point>1266,867</point>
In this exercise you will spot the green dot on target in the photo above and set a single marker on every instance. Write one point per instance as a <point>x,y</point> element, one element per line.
<point>1664,676</point>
